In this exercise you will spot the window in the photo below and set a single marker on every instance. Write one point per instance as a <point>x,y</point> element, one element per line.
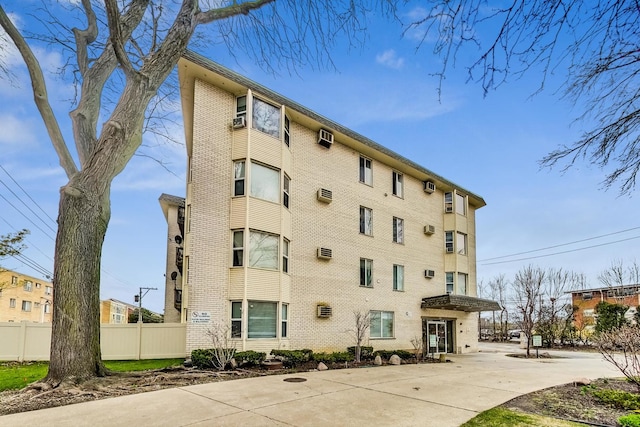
<point>38,285</point>
<point>590,312</point>
<point>285,191</point>
<point>366,221</point>
<point>48,290</point>
<point>186,267</point>
<point>238,248</point>
<point>461,204</point>
<point>398,277</point>
<point>397,184</point>
<point>366,174</point>
<point>14,280</point>
<point>587,295</point>
<point>263,250</point>
<point>461,243</point>
<point>26,305</point>
<point>462,284</point>
<point>448,241</point>
<point>366,272</point>
<point>398,230</point>
<point>449,282</point>
<point>236,319</point>
<point>448,202</point>
<point>285,256</point>
<point>266,118</point>
<point>287,137</point>
<point>265,183</point>
<point>262,319</point>
<point>188,218</point>
<point>381,324</point>
<point>36,305</point>
<point>241,106</point>
<point>238,178</point>
<point>28,285</point>
<point>47,308</point>
<point>12,303</point>
<point>284,320</point>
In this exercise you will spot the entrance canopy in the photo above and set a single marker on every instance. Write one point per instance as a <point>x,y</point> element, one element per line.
<point>460,303</point>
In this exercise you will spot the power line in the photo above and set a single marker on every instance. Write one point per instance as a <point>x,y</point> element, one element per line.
<point>31,245</point>
<point>560,245</point>
<point>563,252</point>
<point>27,206</point>
<point>25,192</point>
<point>27,218</point>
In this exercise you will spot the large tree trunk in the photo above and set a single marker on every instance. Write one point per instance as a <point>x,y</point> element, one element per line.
<point>83,217</point>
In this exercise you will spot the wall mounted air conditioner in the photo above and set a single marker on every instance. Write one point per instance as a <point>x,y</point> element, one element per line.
<point>239,122</point>
<point>324,195</point>
<point>429,229</point>
<point>429,187</point>
<point>324,311</point>
<point>429,274</point>
<point>450,250</point>
<point>325,138</point>
<point>324,253</point>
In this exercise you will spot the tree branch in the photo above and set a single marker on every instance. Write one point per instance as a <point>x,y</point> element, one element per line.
<point>85,37</point>
<point>117,39</point>
<point>40,95</point>
<point>229,11</point>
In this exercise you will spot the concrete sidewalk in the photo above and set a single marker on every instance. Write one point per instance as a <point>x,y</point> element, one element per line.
<point>434,394</point>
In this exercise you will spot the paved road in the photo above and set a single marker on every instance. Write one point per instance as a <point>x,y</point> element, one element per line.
<point>435,394</point>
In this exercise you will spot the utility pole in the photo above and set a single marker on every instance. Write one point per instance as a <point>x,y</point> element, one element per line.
<point>138,299</point>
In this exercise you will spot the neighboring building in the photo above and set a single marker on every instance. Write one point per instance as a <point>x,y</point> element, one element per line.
<point>293,222</point>
<point>173,209</point>
<point>586,300</point>
<point>115,312</point>
<point>24,298</point>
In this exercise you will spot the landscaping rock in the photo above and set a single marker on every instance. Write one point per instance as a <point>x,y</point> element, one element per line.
<point>581,381</point>
<point>322,367</point>
<point>395,360</point>
<point>377,361</point>
<point>232,363</point>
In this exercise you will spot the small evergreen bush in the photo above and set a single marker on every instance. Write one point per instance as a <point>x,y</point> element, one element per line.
<point>250,357</point>
<point>631,420</point>
<point>201,358</point>
<point>366,352</point>
<point>293,358</point>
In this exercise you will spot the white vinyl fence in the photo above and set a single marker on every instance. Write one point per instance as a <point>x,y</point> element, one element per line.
<point>31,341</point>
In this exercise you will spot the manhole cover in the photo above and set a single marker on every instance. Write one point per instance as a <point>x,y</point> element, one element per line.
<point>295,380</point>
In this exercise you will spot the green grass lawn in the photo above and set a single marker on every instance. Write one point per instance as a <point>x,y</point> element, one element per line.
<point>15,375</point>
<point>499,417</point>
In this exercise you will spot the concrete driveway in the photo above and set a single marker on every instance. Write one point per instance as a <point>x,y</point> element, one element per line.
<point>435,394</point>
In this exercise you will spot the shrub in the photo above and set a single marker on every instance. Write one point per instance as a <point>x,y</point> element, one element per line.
<point>403,354</point>
<point>619,399</point>
<point>293,358</point>
<point>342,356</point>
<point>202,358</point>
<point>250,357</point>
<point>631,420</point>
<point>325,358</point>
<point>621,348</point>
<point>365,352</point>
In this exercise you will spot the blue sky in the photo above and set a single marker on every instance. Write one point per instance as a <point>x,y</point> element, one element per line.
<point>489,145</point>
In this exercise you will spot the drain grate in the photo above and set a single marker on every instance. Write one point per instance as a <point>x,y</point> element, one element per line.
<point>295,380</point>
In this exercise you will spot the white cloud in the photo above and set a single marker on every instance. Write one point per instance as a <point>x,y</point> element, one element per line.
<point>16,133</point>
<point>388,58</point>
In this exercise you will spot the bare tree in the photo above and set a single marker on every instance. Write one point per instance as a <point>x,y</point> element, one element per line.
<point>224,348</point>
<point>362,323</point>
<point>621,348</point>
<point>527,288</point>
<point>618,275</point>
<point>596,43</point>
<point>498,288</point>
<point>121,54</point>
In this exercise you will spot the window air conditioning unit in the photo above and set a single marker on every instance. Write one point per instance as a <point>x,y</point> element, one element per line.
<point>429,229</point>
<point>324,311</point>
<point>324,253</point>
<point>325,195</point>
<point>325,138</point>
<point>429,274</point>
<point>239,122</point>
<point>450,249</point>
<point>448,208</point>
<point>429,187</point>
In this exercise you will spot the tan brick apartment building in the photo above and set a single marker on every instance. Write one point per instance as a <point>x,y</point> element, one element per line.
<point>586,300</point>
<point>24,298</point>
<point>115,312</point>
<point>292,222</point>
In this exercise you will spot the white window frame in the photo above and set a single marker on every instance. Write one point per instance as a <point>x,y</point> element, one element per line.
<point>28,285</point>
<point>12,303</point>
<point>241,111</point>
<point>383,317</point>
<point>366,221</point>
<point>26,306</point>
<point>449,242</point>
<point>448,202</point>
<point>258,186</point>
<point>284,321</point>
<point>286,189</point>
<point>366,170</point>
<point>273,323</point>
<point>266,117</point>
<point>285,255</point>
<point>461,204</point>
<point>14,280</point>
<point>461,243</point>
<point>237,246</point>
<point>236,322</point>
<point>366,273</point>
<point>397,184</point>
<point>48,290</point>
<point>398,230</point>
<point>462,279</point>
<point>449,285</point>
<point>239,177</point>
<point>398,277</point>
<point>287,131</point>
<point>272,253</point>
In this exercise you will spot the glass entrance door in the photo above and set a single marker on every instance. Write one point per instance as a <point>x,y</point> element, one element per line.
<point>437,336</point>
